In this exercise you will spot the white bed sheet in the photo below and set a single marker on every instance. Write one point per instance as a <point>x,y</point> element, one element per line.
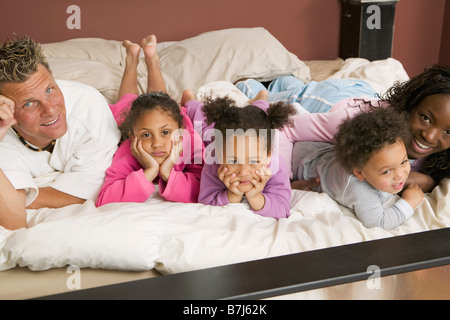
<point>175,237</point>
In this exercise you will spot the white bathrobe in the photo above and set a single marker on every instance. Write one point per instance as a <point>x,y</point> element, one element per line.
<point>80,158</point>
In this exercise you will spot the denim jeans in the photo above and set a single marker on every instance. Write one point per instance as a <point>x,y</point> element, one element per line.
<point>315,97</point>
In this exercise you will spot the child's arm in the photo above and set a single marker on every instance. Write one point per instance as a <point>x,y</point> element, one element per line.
<point>254,196</point>
<point>413,194</point>
<point>183,181</point>
<point>277,193</point>
<point>368,207</point>
<point>212,189</point>
<point>182,186</point>
<point>125,180</point>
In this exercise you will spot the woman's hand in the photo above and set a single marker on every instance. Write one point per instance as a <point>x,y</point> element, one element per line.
<point>424,181</point>
<point>305,185</point>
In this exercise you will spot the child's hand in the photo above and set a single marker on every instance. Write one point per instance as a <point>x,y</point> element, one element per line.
<point>168,164</point>
<point>234,195</point>
<point>148,163</point>
<point>413,194</point>
<point>264,175</point>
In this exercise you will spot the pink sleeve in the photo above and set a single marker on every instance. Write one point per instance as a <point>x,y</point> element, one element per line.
<point>212,189</point>
<point>122,105</point>
<point>125,180</point>
<point>323,126</point>
<point>183,184</point>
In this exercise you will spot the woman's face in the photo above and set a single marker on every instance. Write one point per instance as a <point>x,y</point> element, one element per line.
<point>429,123</point>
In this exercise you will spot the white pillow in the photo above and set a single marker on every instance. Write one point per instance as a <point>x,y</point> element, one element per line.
<point>96,49</point>
<point>225,55</point>
<point>103,76</point>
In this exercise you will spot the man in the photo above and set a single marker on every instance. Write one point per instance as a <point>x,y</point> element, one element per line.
<point>57,138</point>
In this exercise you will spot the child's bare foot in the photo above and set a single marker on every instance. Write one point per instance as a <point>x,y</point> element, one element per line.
<point>262,95</point>
<point>188,95</point>
<point>148,44</point>
<point>133,49</point>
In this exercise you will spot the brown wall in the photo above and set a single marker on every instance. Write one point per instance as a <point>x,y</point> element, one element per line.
<point>418,33</point>
<point>308,28</point>
<point>445,40</point>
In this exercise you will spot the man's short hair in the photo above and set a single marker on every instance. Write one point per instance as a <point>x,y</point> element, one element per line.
<point>19,59</point>
<point>360,137</point>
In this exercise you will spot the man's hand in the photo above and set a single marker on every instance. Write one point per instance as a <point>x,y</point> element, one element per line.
<point>6,115</point>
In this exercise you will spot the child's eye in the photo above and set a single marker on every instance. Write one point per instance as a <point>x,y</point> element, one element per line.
<point>146,135</point>
<point>386,172</point>
<point>231,161</point>
<point>405,162</point>
<point>166,132</point>
<point>253,161</point>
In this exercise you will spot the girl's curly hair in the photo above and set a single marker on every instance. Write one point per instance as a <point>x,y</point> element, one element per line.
<point>405,96</point>
<point>146,102</point>
<point>224,113</point>
<point>358,138</point>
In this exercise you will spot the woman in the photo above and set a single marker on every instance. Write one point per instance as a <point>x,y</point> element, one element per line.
<point>426,100</point>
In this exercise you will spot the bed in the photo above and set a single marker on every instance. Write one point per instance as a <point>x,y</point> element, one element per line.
<point>118,242</point>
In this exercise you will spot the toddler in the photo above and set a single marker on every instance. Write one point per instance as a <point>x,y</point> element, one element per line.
<point>366,166</point>
<point>245,164</point>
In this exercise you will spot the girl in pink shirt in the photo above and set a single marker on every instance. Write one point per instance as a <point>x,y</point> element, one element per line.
<point>160,145</point>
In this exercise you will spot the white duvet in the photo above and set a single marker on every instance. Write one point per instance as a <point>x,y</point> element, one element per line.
<point>176,237</point>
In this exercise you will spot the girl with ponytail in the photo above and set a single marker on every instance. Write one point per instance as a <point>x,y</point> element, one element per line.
<point>242,161</point>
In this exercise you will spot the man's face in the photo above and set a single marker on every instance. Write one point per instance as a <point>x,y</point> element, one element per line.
<point>39,108</point>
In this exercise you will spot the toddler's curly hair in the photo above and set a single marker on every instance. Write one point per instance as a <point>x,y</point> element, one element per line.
<point>360,137</point>
<point>225,115</point>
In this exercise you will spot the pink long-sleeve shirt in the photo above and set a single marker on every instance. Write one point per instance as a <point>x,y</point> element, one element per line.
<point>125,180</point>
